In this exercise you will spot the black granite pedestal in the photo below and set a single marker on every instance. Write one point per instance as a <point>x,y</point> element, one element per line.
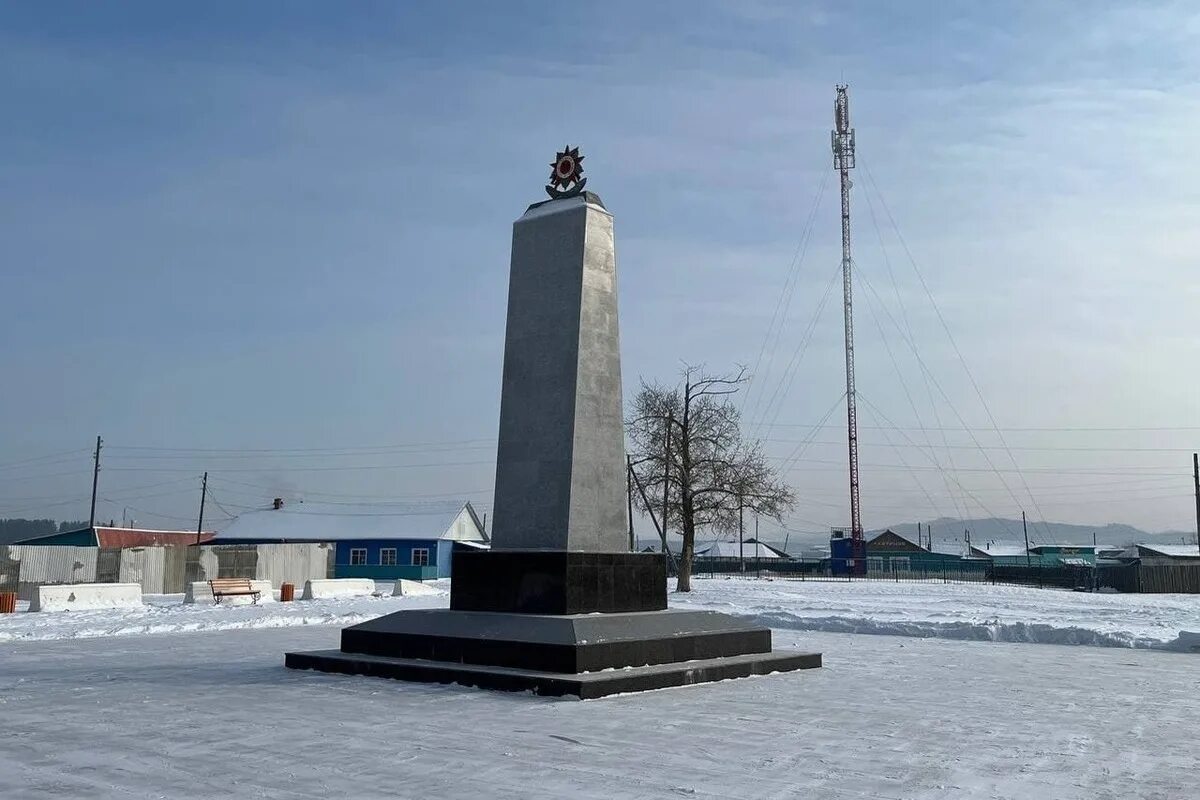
<point>557,623</point>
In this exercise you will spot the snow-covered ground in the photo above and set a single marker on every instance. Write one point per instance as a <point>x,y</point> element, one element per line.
<point>216,715</point>
<point>167,613</point>
<point>94,708</point>
<point>975,611</point>
<point>937,610</point>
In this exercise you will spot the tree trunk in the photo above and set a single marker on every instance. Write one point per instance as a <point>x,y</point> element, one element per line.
<point>683,582</point>
<point>687,518</point>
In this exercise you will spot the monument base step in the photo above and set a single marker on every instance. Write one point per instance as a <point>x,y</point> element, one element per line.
<point>571,643</point>
<point>584,685</point>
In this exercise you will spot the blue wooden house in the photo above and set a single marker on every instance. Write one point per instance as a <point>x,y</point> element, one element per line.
<point>370,541</point>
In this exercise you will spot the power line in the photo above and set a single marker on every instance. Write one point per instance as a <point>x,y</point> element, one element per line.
<point>887,261</point>
<point>950,404</point>
<point>784,300</point>
<point>966,429</point>
<point>253,456</point>
<point>309,469</point>
<point>904,386</point>
<point>310,450</point>
<point>314,492</point>
<point>938,311</point>
<point>45,460</point>
<point>1031,448</point>
<point>784,386</point>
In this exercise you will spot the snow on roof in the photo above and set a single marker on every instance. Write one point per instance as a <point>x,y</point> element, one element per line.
<point>995,550</point>
<point>950,547</point>
<point>1082,547</point>
<point>324,522</point>
<point>1174,550</point>
<point>750,549</point>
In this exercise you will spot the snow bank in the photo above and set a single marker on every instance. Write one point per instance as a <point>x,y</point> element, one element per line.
<point>167,613</point>
<point>978,612</point>
<point>970,611</point>
<point>407,588</point>
<point>81,596</point>
<point>337,587</point>
<point>201,592</point>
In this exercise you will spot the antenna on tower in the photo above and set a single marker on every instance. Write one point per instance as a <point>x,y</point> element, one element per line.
<point>842,140</point>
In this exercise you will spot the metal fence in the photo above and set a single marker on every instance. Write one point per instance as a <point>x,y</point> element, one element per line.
<point>1132,578</point>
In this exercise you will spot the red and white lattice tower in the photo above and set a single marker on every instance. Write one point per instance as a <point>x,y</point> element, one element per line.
<point>842,138</point>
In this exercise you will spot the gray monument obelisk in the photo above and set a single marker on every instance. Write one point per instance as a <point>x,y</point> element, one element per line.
<point>560,469</point>
<point>559,605</point>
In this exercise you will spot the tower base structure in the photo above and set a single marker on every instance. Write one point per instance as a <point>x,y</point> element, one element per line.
<point>585,650</point>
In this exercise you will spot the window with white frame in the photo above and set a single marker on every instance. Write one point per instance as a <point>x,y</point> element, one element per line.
<point>874,565</point>
<point>420,557</point>
<point>358,556</point>
<point>900,564</point>
<point>387,556</point>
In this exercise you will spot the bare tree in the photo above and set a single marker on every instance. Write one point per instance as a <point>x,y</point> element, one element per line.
<point>704,467</point>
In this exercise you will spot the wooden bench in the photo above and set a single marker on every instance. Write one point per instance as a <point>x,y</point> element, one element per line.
<point>232,587</point>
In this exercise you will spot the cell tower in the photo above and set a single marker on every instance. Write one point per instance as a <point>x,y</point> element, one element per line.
<point>842,139</point>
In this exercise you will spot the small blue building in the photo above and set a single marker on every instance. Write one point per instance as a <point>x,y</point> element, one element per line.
<point>370,541</point>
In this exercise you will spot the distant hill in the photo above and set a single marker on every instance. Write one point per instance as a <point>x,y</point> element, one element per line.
<point>1009,530</point>
<point>948,531</point>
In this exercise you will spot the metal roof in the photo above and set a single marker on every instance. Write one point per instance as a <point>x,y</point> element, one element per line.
<point>750,549</point>
<point>327,522</point>
<point>135,537</point>
<point>1173,550</point>
<point>1000,550</point>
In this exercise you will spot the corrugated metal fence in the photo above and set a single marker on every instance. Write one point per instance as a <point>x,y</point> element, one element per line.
<point>160,570</point>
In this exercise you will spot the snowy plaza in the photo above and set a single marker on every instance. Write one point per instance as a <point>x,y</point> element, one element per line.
<point>1082,696</point>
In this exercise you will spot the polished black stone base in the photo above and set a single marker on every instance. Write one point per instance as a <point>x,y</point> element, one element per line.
<point>557,581</point>
<point>586,686</point>
<point>586,655</point>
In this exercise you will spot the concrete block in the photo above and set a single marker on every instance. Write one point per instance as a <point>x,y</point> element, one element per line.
<point>337,587</point>
<point>200,592</point>
<point>407,588</point>
<point>81,596</point>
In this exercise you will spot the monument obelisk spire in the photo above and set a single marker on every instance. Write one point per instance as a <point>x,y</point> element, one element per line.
<point>559,605</point>
<point>560,465</point>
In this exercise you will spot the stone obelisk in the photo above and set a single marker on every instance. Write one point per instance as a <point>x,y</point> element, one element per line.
<point>560,469</point>
<point>559,605</point>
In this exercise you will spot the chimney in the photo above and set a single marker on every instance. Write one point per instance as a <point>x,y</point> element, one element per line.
<point>277,504</point>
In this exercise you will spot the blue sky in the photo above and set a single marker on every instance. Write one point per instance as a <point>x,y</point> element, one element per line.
<point>285,226</point>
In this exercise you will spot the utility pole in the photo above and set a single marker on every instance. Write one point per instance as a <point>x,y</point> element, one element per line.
<point>666,481</point>
<point>662,531</point>
<point>629,498</point>
<point>95,483</point>
<point>1196,481</point>
<point>203,494</point>
<point>758,544</point>
<point>741,536</point>
<point>842,140</point>
<point>1025,528</point>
